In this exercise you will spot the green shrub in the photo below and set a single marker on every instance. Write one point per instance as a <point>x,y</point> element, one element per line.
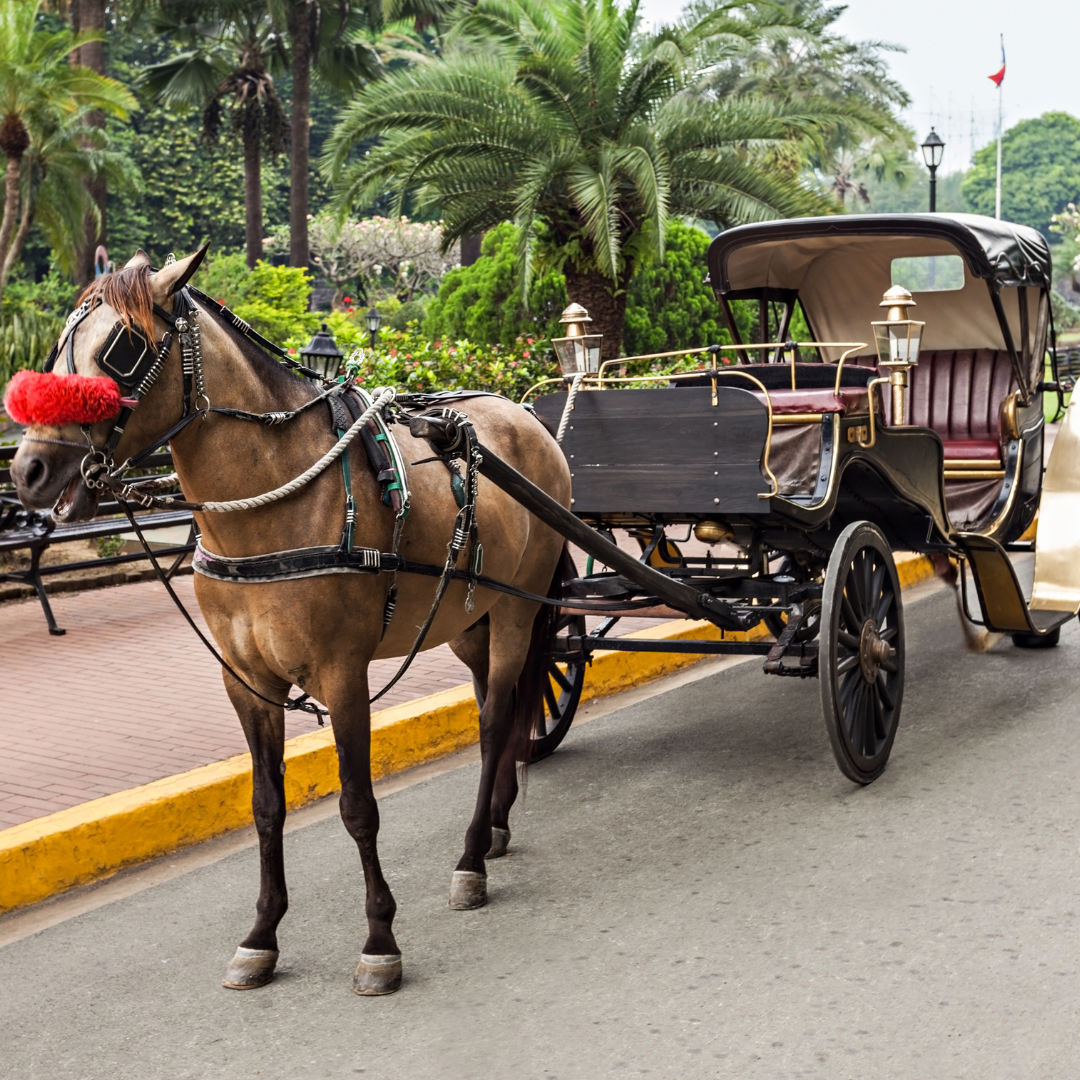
<point>668,305</point>
<point>25,340</point>
<point>274,299</point>
<point>483,302</point>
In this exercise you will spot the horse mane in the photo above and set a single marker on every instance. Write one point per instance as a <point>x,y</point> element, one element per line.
<point>128,293</point>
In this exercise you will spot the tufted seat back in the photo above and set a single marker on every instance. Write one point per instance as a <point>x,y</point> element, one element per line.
<point>959,393</point>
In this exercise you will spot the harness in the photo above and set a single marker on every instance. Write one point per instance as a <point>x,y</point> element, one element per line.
<point>128,357</point>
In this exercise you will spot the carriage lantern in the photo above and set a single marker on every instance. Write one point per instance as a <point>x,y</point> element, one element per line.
<point>578,352</point>
<point>374,320</point>
<point>322,354</point>
<point>897,340</point>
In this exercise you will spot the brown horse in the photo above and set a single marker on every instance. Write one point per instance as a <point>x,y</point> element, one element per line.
<point>321,632</point>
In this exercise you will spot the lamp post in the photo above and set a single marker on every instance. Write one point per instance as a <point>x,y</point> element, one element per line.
<point>322,354</point>
<point>374,321</point>
<point>932,150</point>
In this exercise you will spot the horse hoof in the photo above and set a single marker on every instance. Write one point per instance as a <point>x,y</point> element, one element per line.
<point>500,841</point>
<point>250,968</point>
<point>377,975</point>
<point>468,890</point>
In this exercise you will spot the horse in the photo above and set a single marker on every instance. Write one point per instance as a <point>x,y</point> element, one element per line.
<point>321,632</point>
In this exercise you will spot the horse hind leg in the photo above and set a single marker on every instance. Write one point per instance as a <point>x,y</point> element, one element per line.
<point>264,727</point>
<point>472,648</point>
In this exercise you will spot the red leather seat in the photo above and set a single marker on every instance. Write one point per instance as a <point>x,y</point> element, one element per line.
<point>959,394</point>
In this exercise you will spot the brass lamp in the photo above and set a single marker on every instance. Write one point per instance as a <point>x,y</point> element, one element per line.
<point>897,339</point>
<point>578,352</point>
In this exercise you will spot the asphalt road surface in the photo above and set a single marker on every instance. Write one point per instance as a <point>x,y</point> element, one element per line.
<point>694,891</point>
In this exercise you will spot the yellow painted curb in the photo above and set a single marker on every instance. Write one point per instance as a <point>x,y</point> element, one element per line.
<point>95,839</point>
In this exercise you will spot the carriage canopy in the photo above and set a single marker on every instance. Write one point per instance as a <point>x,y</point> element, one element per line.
<point>969,275</point>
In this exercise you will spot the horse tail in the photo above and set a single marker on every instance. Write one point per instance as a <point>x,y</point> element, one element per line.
<point>533,680</point>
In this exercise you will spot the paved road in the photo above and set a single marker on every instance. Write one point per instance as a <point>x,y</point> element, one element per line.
<point>695,892</point>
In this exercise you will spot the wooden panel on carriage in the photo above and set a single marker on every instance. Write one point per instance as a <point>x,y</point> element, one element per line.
<point>662,451</point>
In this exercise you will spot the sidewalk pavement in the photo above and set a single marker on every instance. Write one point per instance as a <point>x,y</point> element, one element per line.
<point>130,695</point>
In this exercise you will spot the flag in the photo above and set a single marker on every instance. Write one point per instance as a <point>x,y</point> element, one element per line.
<point>999,77</point>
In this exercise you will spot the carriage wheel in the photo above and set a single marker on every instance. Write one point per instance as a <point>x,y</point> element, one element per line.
<point>561,695</point>
<point>861,658</point>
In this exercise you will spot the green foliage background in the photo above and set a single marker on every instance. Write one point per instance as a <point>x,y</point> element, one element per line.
<point>1040,171</point>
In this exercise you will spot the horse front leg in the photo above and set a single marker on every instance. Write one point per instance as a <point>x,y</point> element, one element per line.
<point>379,970</point>
<point>264,728</point>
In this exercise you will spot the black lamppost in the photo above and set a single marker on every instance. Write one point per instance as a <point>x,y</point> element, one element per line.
<point>322,354</point>
<point>374,321</point>
<point>932,151</point>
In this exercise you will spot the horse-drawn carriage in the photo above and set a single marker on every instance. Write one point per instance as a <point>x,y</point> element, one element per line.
<point>803,465</point>
<point>797,465</point>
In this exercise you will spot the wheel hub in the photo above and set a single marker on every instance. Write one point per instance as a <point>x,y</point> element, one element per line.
<point>873,652</point>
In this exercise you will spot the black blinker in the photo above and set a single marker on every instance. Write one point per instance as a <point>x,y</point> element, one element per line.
<point>126,355</point>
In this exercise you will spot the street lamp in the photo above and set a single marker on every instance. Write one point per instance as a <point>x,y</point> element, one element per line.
<point>322,354</point>
<point>374,321</point>
<point>932,150</point>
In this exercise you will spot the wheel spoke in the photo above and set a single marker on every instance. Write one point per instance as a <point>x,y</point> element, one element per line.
<point>560,678</point>
<point>887,635</point>
<point>849,641</point>
<point>552,701</point>
<point>889,665</point>
<point>851,713</point>
<point>854,590</point>
<point>885,602</point>
<point>887,699</point>
<point>868,590</point>
<point>847,664</point>
<point>848,613</point>
<point>879,718</point>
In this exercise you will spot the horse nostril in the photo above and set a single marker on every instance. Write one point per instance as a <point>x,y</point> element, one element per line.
<point>34,473</point>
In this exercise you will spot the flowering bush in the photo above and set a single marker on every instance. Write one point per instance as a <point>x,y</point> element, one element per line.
<point>407,253</point>
<point>407,360</point>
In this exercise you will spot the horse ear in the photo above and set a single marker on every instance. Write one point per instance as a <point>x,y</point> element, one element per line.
<point>172,278</point>
<point>140,258</point>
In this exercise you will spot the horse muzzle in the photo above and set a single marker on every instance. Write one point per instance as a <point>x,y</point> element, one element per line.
<point>43,480</point>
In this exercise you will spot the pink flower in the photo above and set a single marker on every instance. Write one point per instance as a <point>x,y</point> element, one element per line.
<point>529,340</point>
<point>292,352</point>
<point>351,310</point>
<point>526,354</point>
<point>347,299</point>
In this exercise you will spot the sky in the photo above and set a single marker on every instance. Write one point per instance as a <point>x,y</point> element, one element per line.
<point>952,46</point>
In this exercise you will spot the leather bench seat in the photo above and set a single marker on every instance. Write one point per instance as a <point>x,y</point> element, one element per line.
<point>959,393</point>
<point>850,400</point>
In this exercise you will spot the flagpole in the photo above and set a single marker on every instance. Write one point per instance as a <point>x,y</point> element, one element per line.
<point>997,187</point>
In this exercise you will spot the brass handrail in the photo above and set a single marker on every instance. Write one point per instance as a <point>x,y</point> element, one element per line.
<point>870,401</point>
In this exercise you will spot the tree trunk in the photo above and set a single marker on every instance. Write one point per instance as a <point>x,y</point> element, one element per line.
<point>253,216</point>
<point>90,15</point>
<point>302,29</point>
<point>470,248</point>
<point>593,291</point>
<point>11,212</point>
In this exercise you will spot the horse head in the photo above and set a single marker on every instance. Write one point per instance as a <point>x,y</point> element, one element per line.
<point>114,324</point>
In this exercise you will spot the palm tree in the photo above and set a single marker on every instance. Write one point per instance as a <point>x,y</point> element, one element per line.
<point>326,37</point>
<point>231,46</point>
<point>554,115</point>
<point>41,95</point>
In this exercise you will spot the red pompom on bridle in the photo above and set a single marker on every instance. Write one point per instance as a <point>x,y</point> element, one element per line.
<point>35,397</point>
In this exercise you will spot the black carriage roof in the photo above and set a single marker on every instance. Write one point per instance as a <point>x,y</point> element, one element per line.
<point>994,250</point>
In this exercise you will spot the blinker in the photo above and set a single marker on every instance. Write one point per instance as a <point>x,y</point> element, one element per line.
<point>126,355</point>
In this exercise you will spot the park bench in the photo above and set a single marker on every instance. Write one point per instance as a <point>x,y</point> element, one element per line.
<point>34,531</point>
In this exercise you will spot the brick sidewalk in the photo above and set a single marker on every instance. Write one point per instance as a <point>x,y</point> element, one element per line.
<point>129,695</point>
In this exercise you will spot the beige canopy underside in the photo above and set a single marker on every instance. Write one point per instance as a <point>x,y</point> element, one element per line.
<point>840,281</point>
